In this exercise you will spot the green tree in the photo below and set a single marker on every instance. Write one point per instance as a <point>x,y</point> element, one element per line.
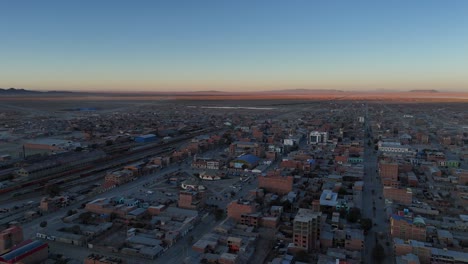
<point>342,191</point>
<point>43,224</point>
<point>219,214</point>
<point>353,215</point>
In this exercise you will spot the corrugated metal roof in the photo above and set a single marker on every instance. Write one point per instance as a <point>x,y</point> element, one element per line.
<point>22,250</point>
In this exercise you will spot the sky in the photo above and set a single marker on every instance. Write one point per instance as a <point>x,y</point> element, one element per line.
<point>242,45</point>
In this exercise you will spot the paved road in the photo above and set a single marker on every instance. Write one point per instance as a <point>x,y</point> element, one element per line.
<point>370,201</point>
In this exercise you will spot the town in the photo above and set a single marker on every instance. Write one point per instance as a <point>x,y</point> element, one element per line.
<point>278,182</point>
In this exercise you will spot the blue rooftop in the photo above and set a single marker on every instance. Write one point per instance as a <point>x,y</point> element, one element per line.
<point>249,158</point>
<point>16,253</point>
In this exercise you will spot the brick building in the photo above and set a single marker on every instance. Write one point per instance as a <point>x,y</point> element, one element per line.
<point>405,228</point>
<point>239,208</point>
<point>306,229</point>
<point>10,237</point>
<point>191,199</point>
<point>400,195</point>
<point>388,173</point>
<point>276,183</point>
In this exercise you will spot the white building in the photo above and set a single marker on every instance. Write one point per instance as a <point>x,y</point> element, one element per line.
<point>316,137</point>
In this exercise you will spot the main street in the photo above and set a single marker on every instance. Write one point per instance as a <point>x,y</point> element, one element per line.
<point>373,202</point>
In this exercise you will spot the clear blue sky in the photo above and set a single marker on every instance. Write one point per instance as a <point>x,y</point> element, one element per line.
<point>234,45</point>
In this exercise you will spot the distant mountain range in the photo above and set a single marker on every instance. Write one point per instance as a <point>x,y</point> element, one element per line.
<point>424,91</point>
<point>305,91</point>
<point>20,91</point>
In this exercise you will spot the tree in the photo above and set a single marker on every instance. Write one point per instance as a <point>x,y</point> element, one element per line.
<point>342,191</point>
<point>78,149</point>
<point>366,224</point>
<point>378,253</point>
<point>219,214</point>
<point>43,224</point>
<point>353,215</point>
<point>53,190</point>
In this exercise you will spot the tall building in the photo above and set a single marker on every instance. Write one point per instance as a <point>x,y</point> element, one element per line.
<point>10,237</point>
<point>317,137</point>
<point>306,229</point>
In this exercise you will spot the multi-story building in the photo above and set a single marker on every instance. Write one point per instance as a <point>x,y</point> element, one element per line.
<point>191,199</point>
<point>53,204</point>
<point>317,137</point>
<point>354,240</point>
<point>276,183</point>
<point>388,170</point>
<point>400,195</point>
<point>10,237</point>
<point>209,164</point>
<point>240,209</point>
<point>404,228</point>
<point>118,177</point>
<point>306,229</point>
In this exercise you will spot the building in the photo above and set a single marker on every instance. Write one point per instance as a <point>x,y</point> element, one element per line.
<point>276,183</point>
<point>10,237</point>
<point>117,178</point>
<point>306,229</point>
<point>317,137</point>
<point>209,164</point>
<point>354,240</point>
<point>394,147</point>
<point>48,204</point>
<point>239,209</point>
<point>328,198</point>
<point>405,228</point>
<point>191,199</point>
<point>246,161</point>
<point>242,147</point>
<point>407,259</point>
<point>399,195</point>
<point>28,252</point>
<point>145,138</point>
<point>388,170</point>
